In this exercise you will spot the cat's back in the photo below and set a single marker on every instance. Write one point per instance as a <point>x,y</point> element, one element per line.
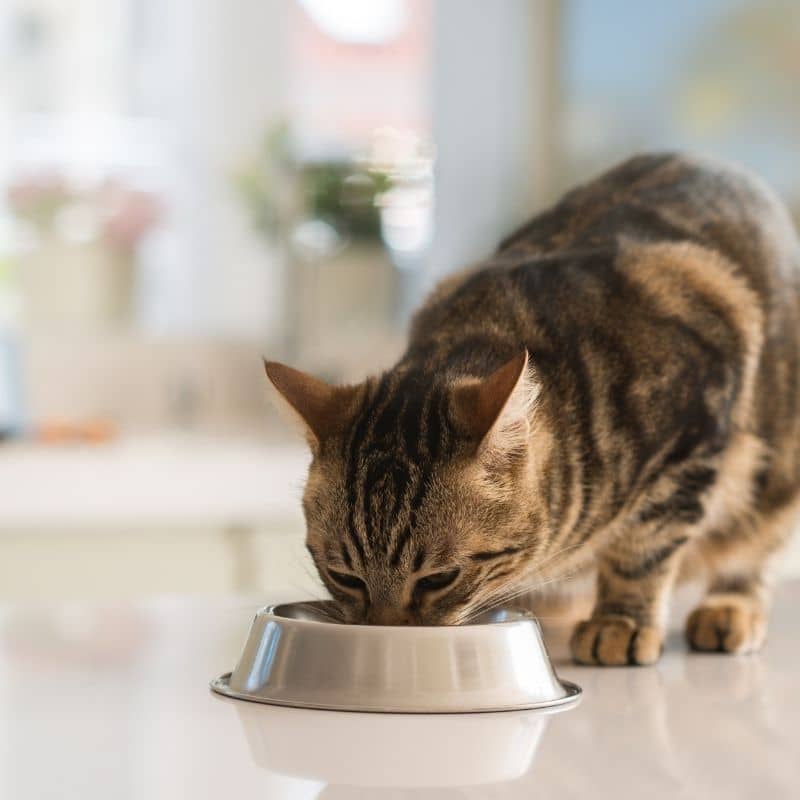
<point>568,260</point>
<point>668,197</point>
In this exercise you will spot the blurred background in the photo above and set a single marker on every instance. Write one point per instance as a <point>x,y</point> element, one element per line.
<point>187,185</point>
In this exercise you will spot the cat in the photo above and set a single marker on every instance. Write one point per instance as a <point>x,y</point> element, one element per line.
<point>616,388</point>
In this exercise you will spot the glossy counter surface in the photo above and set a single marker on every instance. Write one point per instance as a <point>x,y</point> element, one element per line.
<point>113,703</point>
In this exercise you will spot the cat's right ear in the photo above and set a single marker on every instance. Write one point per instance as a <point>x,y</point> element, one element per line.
<point>495,412</point>
<point>320,409</point>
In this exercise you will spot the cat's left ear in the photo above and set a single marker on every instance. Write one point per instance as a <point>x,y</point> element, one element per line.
<point>495,412</point>
<point>321,409</point>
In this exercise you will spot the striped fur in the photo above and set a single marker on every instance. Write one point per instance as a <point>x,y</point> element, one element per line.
<point>654,424</point>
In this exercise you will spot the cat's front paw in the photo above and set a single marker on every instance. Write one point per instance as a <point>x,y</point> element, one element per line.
<point>726,625</point>
<point>615,641</point>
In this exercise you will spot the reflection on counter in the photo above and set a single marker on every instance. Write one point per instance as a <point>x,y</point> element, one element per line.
<point>379,750</point>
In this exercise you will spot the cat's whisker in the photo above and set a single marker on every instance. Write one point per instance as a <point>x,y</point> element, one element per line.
<point>558,553</point>
<point>531,584</point>
<point>505,597</point>
<point>493,602</point>
<point>310,590</point>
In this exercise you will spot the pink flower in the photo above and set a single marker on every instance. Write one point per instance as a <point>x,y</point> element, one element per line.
<point>129,214</point>
<point>38,197</point>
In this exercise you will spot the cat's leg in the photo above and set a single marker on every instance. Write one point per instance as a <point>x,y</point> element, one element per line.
<point>732,618</point>
<point>634,580</point>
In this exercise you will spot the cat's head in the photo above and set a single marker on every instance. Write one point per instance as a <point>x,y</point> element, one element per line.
<point>419,503</point>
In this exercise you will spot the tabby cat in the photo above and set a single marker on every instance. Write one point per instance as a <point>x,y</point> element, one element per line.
<point>615,389</point>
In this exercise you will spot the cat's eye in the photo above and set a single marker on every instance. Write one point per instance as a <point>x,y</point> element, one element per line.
<point>347,580</point>
<point>436,581</point>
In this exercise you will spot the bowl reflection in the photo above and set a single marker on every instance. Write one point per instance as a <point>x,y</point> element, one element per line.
<point>391,751</point>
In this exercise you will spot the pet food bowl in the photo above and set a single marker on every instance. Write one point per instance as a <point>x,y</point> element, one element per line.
<point>295,656</point>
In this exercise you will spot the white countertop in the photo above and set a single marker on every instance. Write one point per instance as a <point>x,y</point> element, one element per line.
<point>113,703</point>
<point>160,479</point>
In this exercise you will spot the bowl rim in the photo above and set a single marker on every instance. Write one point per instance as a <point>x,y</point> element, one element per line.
<point>523,617</point>
<point>573,696</point>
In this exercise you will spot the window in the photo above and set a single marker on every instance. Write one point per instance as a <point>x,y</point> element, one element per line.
<point>709,75</point>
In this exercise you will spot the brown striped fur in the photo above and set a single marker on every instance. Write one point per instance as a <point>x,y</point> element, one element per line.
<point>616,389</point>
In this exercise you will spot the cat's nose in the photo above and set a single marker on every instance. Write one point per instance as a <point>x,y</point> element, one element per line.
<point>389,615</point>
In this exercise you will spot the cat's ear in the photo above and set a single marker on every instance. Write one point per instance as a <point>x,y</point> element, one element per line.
<point>321,409</point>
<point>495,411</point>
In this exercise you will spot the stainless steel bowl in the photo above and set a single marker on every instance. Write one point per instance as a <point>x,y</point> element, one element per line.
<point>294,656</point>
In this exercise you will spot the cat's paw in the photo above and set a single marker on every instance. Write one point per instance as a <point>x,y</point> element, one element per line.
<point>726,624</point>
<point>615,641</point>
